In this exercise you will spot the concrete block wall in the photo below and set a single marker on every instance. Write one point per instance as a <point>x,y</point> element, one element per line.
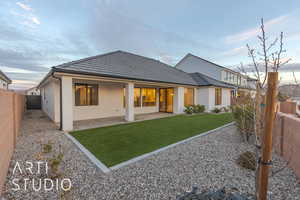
<point>286,139</point>
<point>11,111</point>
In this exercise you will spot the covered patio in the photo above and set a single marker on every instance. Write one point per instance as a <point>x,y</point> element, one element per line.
<point>98,102</point>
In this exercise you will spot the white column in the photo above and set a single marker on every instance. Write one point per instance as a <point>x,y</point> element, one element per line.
<point>195,96</point>
<point>129,99</point>
<point>178,100</point>
<point>67,103</point>
<point>157,99</point>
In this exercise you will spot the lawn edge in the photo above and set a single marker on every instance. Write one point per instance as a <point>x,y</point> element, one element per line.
<point>106,169</point>
<point>91,157</point>
<point>143,156</point>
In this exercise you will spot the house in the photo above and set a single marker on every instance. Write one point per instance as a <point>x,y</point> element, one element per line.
<point>211,92</point>
<point>124,84</point>
<point>192,64</point>
<point>32,91</point>
<point>4,81</point>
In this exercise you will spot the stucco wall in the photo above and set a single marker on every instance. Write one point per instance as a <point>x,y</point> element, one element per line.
<point>50,100</point>
<point>12,109</point>
<point>206,96</point>
<point>110,104</point>
<point>286,139</point>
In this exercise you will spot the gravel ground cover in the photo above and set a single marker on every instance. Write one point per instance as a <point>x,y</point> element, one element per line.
<point>206,162</point>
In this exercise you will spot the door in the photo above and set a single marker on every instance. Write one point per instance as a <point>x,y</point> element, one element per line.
<point>166,99</point>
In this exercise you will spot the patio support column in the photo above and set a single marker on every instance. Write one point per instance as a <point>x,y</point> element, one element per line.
<point>195,96</point>
<point>67,103</point>
<point>178,100</point>
<point>129,99</point>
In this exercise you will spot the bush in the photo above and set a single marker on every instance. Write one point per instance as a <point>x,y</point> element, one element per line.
<point>194,109</point>
<point>216,110</point>
<point>198,108</point>
<point>247,160</point>
<point>243,114</point>
<point>189,109</point>
<point>226,109</point>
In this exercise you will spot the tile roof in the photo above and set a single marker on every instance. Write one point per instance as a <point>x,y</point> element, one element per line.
<point>203,80</point>
<point>120,64</point>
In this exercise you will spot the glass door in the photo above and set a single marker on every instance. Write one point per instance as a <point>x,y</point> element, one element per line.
<point>166,99</point>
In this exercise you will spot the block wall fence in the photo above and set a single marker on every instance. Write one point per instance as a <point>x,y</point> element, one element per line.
<point>12,106</point>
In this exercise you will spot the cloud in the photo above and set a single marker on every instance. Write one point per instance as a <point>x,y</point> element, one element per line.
<point>253,32</point>
<point>24,6</point>
<point>27,15</point>
<point>110,30</point>
<point>35,20</point>
<point>235,52</point>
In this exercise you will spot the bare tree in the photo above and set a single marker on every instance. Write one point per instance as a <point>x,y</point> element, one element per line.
<point>268,57</point>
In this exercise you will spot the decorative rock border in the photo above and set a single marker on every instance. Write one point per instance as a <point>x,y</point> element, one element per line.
<point>106,169</point>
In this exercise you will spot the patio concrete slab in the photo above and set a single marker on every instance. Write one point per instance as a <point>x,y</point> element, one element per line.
<point>96,123</point>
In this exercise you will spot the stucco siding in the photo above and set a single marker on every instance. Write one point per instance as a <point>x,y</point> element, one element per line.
<point>206,97</point>
<point>48,100</point>
<point>110,105</point>
<point>203,97</point>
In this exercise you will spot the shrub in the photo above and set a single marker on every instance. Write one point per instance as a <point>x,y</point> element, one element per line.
<point>198,108</point>
<point>47,147</point>
<point>216,110</point>
<point>226,109</point>
<point>247,160</point>
<point>243,114</point>
<point>188,109</point>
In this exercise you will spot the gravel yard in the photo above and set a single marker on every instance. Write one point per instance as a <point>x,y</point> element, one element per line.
<point>205,162</point>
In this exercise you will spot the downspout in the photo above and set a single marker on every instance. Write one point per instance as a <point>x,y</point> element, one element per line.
<point>60,99</point>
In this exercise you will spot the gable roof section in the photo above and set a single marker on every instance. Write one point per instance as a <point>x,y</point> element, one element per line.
<point>197,57</point>
<point>203,80</point>
<point>120,64</point>
<point>4,77</point>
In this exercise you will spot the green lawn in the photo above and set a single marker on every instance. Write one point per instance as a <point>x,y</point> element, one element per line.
<point>118,143</point>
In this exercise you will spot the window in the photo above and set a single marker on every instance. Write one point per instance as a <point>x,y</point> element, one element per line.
<point>188,96</point>
<point>218,96</point>
<point>86,94</point>
<point>137,97</point>
<point>149,96</point>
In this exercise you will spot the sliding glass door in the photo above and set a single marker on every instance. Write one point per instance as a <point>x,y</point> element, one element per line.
<point>166,99</point>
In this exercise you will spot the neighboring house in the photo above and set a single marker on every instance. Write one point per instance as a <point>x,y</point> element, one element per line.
<point>191,64</point>
<point>213,93</point>
<point>33,91</point>
<point>4,81</point>
<point>124,84</point>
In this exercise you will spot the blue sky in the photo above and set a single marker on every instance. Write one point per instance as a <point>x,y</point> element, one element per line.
<point>35,34</point>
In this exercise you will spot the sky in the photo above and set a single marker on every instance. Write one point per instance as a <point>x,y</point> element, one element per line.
<point>36,35</point>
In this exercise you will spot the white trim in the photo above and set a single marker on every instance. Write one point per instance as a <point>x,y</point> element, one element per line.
<point>105,169</point>
<point>92,158</point>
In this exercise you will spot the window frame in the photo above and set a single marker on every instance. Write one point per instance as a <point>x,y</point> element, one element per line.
<point>140,97</point>
<point>90,103</point>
